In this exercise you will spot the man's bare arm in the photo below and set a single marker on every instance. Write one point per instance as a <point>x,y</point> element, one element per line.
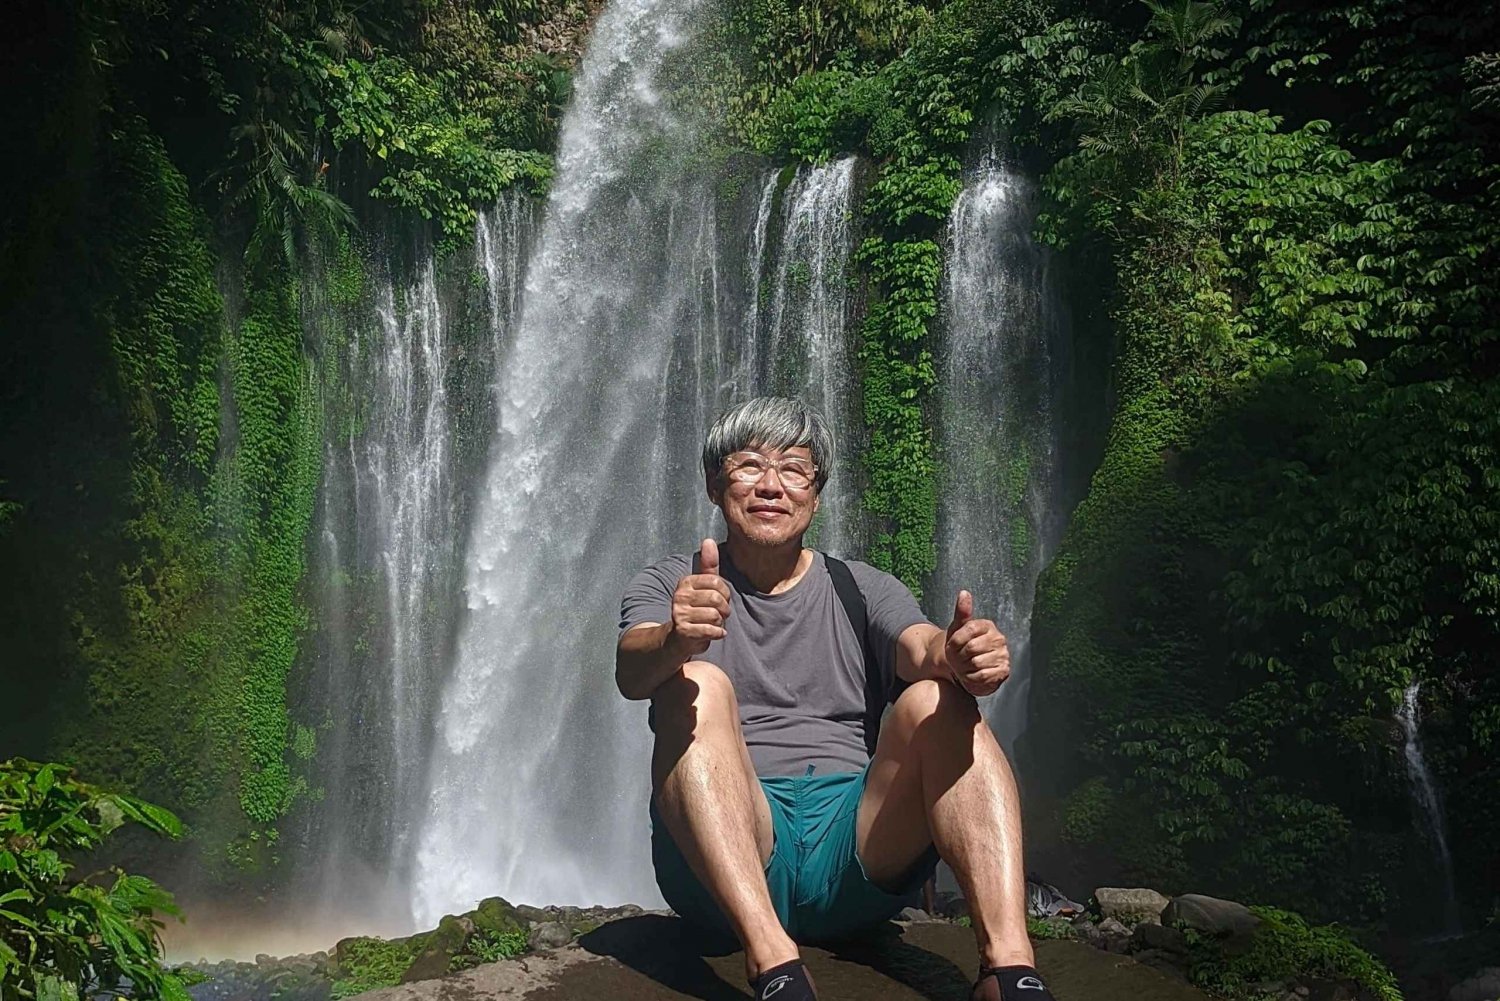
<point>645,658</point>
<point>651,652</point>
<point>971,652</point>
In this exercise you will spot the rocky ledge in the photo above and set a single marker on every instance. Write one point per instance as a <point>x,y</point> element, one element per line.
<point>1126,942</point>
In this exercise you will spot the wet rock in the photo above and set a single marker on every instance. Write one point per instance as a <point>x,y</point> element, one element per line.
<point>497,916</point>
<point>439,948</point>
<point>914,914</point>
<point>1130,906</point>
<point>550,935</point>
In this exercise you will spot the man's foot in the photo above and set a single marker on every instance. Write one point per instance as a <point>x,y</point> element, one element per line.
<point>787,982</point>
<point>1010,983</point>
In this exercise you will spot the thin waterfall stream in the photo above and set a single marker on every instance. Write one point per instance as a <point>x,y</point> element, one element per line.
<point>1004,375</point>
<point>1428,807</point>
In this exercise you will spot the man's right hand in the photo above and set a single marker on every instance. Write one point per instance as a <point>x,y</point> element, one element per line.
<point>700,604</point>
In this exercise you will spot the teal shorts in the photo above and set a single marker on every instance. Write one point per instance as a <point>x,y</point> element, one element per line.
<point>817,882</point>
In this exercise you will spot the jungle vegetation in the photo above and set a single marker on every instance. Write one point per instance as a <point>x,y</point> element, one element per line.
<point>1295,516</point>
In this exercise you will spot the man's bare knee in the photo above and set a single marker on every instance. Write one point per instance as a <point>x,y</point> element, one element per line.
<point>931,699</point>
<point>700,694</point>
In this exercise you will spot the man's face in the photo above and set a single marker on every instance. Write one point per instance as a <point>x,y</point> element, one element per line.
<point>766,512</point>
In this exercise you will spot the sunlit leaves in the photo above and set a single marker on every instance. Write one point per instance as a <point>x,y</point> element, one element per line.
<point>61,937</point>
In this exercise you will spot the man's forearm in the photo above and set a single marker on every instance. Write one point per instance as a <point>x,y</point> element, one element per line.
<point>922,654</point>
<point>646,657</point>
<point>935,658</point>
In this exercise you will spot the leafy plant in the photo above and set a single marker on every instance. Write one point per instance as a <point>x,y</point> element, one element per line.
<point>367,964</point>
<point>65,937</point>
<point>1283,948</point>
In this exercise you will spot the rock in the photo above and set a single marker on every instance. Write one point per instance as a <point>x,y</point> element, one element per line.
<point>1167,939</point>
<point>439,948</point>
<point>1223,919</point>
<point>549,935</point>
<point>914,914</point>
<point>1087,931</point>
<point>651,960</point>
<point>1482,986</point>
<point>1130,906</point>
<point>495,915</point>
<point>1171,963</point>
<point>1113,936</point>
<point>532,915</point>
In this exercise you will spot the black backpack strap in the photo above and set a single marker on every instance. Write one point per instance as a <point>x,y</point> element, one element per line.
<point>877,686</point>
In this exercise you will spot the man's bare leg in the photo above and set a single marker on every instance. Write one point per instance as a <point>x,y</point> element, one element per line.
<point>939,777</point>
<point>707,793</point>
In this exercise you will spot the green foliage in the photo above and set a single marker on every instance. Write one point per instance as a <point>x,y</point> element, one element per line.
<point>63,937</point>
<point>272,484</point>
<point>1043,929</point>
<point>1284,948</point>
<point>440,159</point>
<point>913,114</point>
<point>491,947</point>
<point>367,964</point>
<point>1295,512</point>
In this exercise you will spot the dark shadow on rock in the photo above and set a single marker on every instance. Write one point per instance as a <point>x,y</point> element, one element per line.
<point>666,950</point>
<point>885,951</point>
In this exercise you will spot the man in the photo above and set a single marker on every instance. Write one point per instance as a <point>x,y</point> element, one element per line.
<point>771,820</point>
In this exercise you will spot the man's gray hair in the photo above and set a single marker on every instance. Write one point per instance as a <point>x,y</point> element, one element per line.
<point>772,422</point>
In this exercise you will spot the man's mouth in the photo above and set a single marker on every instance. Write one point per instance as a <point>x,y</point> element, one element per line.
<point>765,511</point>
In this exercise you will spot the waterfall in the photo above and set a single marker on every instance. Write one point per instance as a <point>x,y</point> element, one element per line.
<point>1429,808</point>
<point>414,356</point>
<point>805,330</point>
<point>538,770</point>
<point>1002,369</point>
<point>641,318</point>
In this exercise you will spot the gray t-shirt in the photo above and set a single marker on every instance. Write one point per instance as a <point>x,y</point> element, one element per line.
<point>794,658</point>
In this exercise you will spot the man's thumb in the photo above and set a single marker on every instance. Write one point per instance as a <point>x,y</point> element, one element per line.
<point>708,557</point>
<point>963,609</point>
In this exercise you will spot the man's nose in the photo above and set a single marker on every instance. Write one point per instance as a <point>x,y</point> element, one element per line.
<point>770,483</point>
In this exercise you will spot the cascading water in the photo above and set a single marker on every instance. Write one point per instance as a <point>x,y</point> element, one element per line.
<point>1003,364</point>
<point>1429,809</point>
<point>390,519</point>
<point>539,770</point>
<point>804,330</point>
<point>636,329</point>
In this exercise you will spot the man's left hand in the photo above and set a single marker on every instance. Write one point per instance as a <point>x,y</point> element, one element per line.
<point>975,649</point>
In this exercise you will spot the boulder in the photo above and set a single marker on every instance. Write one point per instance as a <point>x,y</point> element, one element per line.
<point>1160,937</point>
<point>496,915</point>
<point>436,955</point>
<point>1130,906</point>
<point>1085,930</point>
<point>1113,936</point>
<point>914,914</point>
<point>1482,986</point>
<point>1222,919</point>
<point>549,935</point>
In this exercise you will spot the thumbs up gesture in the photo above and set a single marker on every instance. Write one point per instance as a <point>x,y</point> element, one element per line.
<point>975,649</point>
<point>700,604</point>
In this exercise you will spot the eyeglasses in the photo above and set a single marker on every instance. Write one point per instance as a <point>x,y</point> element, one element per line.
<point>795,473</point>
